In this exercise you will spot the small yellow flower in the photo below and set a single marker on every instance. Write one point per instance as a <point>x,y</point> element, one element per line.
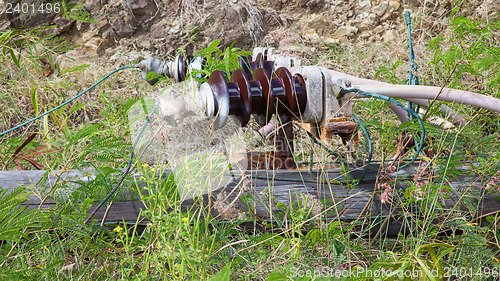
<point>118,229</point>
<point>145,165</point>
<point>185,219</point>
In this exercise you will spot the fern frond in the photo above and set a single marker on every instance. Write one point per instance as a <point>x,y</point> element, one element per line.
<point>15,219</point>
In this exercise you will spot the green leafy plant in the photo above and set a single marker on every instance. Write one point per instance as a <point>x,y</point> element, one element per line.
<point>71,10</point>
<point>424,264</point>
<point>92,145</point>
<point>14,219</point>
<point>473,52</point>
<point>214,58</point>
<point>25,45</point>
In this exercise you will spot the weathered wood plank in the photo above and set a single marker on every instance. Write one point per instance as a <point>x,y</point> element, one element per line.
<point>128,210</point>
<point>269,188</point>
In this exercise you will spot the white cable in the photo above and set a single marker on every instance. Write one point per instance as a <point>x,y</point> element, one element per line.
<point>421,92</point>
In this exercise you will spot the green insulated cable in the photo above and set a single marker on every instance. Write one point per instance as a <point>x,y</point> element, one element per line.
<point>412,77</point>
<point>133,146</point>
<point>409,110</point>
<point>129,165</point>
<point>66,102</point>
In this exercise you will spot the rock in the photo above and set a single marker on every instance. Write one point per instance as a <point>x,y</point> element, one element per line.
<point>68,268</point>
<point>176,26</point>
<point>344,33</point>
<point>310,34</point>
<point>298,51</point>
<point>368,21</point>
<point>337,22</point>
<point>380,9</point>
<point>140,7</point>
<point>159,30</point>
<point>121,28</point>
<point>92,6</point>
<point>63,24</point>
<point>364,3</point>
<point>240,23</point>
<point>390,36</point>
<point>365,34</point>
<point>394,5</point>
<point>282,37</point>
<point>392,10</point>
<point>319,24</point>
<point>102,23</point>
<point>286,23</point>
<point>313,4</point>
<point>378,30</point>
<point>331,41</point>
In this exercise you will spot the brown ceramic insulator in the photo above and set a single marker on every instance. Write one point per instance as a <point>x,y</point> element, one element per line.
<point>300,92</point>
<point>257,99</point>
<point>245,65</point>
<point>268,66</point>
<point>257,63</point>
<point>234,98</point>
<point>289,86</point>
<point>219,86</point>
<point>279,96</point>
<point>181,68</point>
<point>239,97</point>
<point>285,94</point>
<point>264,78</point>
<point>250,66</point>
<point>276,96</point>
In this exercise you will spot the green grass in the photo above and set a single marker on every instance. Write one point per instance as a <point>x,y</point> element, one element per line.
<point>180,244</point>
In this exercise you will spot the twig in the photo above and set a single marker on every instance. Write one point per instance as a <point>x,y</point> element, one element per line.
<point>129,9</point>
<point>440,91</point>
<point>157,10</point>
<point>106,212</point>
<point>486,215</point>
<point>368,204</point>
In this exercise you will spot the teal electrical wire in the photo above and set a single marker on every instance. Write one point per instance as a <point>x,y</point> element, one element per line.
<point>370,147</point>
<point>412,77</point>
<point>148,118</point>
<point>409,110</point>
<point>129,165</point>
<point>74,98</point>
<point>66,102</point>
